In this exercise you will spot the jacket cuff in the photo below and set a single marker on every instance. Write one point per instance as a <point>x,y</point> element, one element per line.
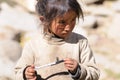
<point>77,74</point>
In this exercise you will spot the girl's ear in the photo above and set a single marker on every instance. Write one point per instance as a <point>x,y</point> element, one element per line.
<point>41,18</point>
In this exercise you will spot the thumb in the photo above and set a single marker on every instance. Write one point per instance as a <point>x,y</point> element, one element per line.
<point>32,66</point>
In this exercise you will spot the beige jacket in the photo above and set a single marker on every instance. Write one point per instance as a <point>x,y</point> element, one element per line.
<point>42,50</point>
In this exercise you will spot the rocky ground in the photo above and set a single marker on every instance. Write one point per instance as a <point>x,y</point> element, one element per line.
<point>101,25</point>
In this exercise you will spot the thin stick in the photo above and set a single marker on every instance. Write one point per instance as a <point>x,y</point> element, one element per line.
<point>50,64</point>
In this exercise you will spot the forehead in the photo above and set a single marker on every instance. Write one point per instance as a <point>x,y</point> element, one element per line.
<point>68,15</point>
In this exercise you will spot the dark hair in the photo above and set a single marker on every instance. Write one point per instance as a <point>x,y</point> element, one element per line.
<point>50,9</point>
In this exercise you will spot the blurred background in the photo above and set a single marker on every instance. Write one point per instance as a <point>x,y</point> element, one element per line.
<point>101,25</point>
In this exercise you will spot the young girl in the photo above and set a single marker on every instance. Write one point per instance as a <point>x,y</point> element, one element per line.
<point>75,60</point>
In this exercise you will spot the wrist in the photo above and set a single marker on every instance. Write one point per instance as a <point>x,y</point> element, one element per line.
<point>76,73</point>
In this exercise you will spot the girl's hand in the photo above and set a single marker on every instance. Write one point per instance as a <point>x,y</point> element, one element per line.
<point>30,73</point>
<point>71,64</point>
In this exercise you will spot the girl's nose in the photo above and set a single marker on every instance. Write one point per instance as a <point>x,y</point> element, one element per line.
<point>67,27</point>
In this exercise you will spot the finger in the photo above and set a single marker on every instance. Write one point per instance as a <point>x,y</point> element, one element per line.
<point>30,69</point>
<point>29,77</point>
<point>32,66</point>
<point>69,68</point>
<point>30,73</point>
<point>33,78</point>
<point>70,62</point>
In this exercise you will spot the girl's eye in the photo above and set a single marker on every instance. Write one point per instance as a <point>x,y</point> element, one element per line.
<point>74,20</point>
<point>61,22</point>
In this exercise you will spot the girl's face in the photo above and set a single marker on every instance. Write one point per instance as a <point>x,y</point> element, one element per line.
<point>62,26</point>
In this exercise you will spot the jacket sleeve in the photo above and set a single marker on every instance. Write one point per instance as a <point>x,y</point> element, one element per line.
<point>27,58</point>
<point>89,69</point>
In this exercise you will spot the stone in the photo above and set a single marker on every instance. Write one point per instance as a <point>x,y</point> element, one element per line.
<point>17,18</point>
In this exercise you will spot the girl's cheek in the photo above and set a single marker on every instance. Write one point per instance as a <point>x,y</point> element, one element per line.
<point>60,29</point>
